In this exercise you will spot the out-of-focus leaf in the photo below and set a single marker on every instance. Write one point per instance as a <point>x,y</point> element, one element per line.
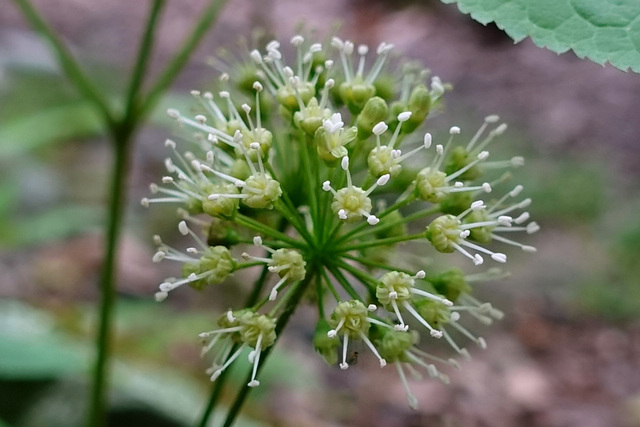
<point>55,223</point>
<point>31,349</point>
<point>55,124</point>
<point>601,30</point>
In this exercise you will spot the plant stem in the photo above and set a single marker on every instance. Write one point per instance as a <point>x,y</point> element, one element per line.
<point>117,194</point>
<point>289,309</point>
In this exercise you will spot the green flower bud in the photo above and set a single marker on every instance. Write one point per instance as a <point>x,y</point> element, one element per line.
<point>374,112</point>
<point>429,184</point>
<point>331,145</point>
<point>216,263</point>
<point>260,135</point>
<point>325,346</point>
<point>399,229</point>
<point>253,326</point>
<point>460,158</point>
<point>456,202</point>
<point>310,118</point>
<point>394,281</point>
<point>382,161</point>
<point>393,345</point>
<point>356,94</point>
<point>288,262</point>
<point>221,233</point>
<point>287,97</point>
<point>262,191</point>
<point>353,317</point>
<point>442,232</point>
<point>385,86</point>
<point>434,312</point>
<point>351,201</point>
<point>221,207</point>
<point>479,234</point>
<point>419,105</point>
<point>450,284</point>
<point>240,169</point>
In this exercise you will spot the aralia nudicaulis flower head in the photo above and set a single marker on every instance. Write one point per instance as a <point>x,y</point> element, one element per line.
<point>326,192</point>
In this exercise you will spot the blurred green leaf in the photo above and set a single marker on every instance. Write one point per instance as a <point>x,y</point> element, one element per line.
<point>48,126</point>
<point>31,349</point>
<point>52,224</point>
<point>601,30</point>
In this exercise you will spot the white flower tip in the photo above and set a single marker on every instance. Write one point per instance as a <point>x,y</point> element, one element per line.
<point>342,214</point>
<point>245,256</point>
<point>344,163</point>
<point>454,130</point>
<point>183,228</point>
<point>254,145</point>
<point>435,333</point>
<point>372,307</point>
<point>165,287</point>
<point>404,116</point>
<point>383,363</point>
<point>383,179</point>
<point>230,316</point>
<point>447,302</point>
<point>500,129</point>
<point>253,383</point>
<point>173,113</point>
<point>344,366</point>
<point>486,187</point>
<point>401,327</point>
<point>329,84</point>
<point>161,296</point>
<point>215,374</point>
<point>464,234</point>
<point>421,274</point>
<point>363,49</point>
<point>465,354</point>
<point>527,248</point>
<point>499,257</point>
<point>145,202</point>
<point>517,161</point>
<point>483,155</point>
<point>413,401</point>
<point>255,55</point>
<point>516,191</point>
<point>455,316</point>
<point>477,259</point>
<point>201,119</point>
<point>332,333</point>
<point>158,256</point>
<point>492,118</point>
<point>326,186</point>
<point>427,140</point>
<point>380,128</point>
<point>505,220</point>
<point>170,143</point>
<point>523,217</point>
<point>393,295</point>
<point>440,149</point>
<point>195,92</point>
<point>478,205</point>
<point>273,295</point>
<point>453,362</point>
<point>532,227</point>
<point>297,40</point>
<point>257,240</point>
<point>481,343</point>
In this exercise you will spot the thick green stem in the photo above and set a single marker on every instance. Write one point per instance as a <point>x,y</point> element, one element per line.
<point>117,194</point>
<point>289,309</point>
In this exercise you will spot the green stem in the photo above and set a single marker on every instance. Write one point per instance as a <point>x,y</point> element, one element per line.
<point>343,282</point>
<point>289,309</point>
<point>117,193</point>
<point>208,17</point>
<point>380,265</point>
<point>266,230</point>
<point>140,68</point>
<point>382,242</point>
<point>67,62</point>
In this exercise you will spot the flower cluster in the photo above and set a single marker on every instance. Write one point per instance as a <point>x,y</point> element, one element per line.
<point>317,171</point>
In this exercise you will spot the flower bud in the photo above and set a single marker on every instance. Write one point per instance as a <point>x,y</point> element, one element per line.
<point>419,105</point>
<point>393,345</point>
<point>323,344</point>
<point>460,158</point>
<point>374,112</point>
<point>450,284</point>
<point>215,264</point>
<point>429,183</point>
<point>442,232</point>
<point>221,206</point>
<point>262,191</point>
<point>356,94</point>
<point>221,233</point>
<point>456,202</point>
<point>434,312</point>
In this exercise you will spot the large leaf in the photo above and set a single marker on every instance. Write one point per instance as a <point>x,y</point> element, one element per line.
<point>601,30</point>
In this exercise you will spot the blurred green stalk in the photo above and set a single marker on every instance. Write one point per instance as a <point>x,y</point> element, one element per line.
<point>122,128</point>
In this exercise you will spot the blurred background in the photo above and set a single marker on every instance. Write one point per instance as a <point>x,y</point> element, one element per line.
<point>566,354</point>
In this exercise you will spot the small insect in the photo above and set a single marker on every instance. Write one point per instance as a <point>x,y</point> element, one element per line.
<point>352,359</point>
